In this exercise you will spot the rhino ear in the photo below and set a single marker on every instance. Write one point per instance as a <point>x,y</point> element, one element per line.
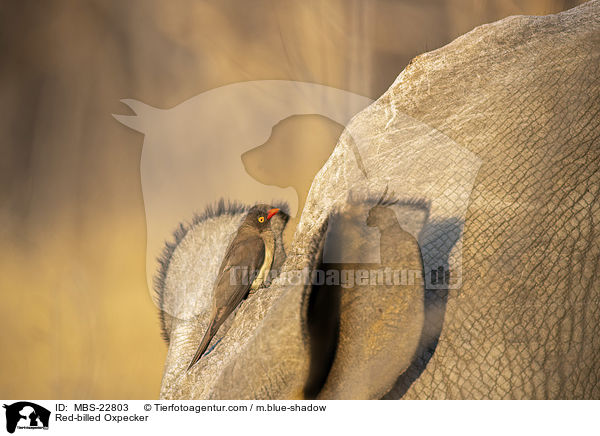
<point>143,114</point>
<point>381,315</point>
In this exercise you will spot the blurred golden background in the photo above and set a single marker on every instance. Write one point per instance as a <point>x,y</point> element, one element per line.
<point>76,316</point>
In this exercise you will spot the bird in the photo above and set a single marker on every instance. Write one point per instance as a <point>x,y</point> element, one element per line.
<point>256,248</point>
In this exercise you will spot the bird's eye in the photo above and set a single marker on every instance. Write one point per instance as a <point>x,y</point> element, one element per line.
<point>261,219</point>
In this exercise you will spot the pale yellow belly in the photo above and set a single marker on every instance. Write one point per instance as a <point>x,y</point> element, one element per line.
<point>264,269</point>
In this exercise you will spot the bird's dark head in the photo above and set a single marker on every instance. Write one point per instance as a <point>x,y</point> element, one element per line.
<point>260,216</point>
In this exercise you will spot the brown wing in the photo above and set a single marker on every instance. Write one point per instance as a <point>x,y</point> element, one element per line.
<point>245,251</point>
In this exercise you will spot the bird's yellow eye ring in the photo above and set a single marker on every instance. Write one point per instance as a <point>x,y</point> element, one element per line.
<point>261,219</point>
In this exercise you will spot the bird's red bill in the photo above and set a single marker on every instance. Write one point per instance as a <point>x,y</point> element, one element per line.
<point>271,213</point>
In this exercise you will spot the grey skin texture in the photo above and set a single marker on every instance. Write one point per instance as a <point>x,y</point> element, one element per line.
<point>489,148</point>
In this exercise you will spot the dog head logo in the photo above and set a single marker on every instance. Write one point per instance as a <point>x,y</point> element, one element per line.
<point>26,415</point>
<point>192,153</point>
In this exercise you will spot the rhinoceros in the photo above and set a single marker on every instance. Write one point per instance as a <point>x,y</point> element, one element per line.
<point>479,168</point>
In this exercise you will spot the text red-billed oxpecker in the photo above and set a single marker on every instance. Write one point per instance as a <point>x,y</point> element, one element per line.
<point>250,254</point>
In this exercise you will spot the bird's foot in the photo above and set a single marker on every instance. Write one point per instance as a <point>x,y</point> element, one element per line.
<point>253,291</point>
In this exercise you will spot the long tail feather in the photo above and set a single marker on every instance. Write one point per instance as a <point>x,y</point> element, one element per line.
<point>210,332</point>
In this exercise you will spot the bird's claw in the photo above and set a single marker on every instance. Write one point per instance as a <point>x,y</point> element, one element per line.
<point>253,291</point>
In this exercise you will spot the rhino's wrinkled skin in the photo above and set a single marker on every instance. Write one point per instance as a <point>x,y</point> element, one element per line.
<point>497,137</point>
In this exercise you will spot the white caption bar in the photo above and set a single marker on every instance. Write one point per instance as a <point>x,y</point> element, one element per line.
<point>45,417</point>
